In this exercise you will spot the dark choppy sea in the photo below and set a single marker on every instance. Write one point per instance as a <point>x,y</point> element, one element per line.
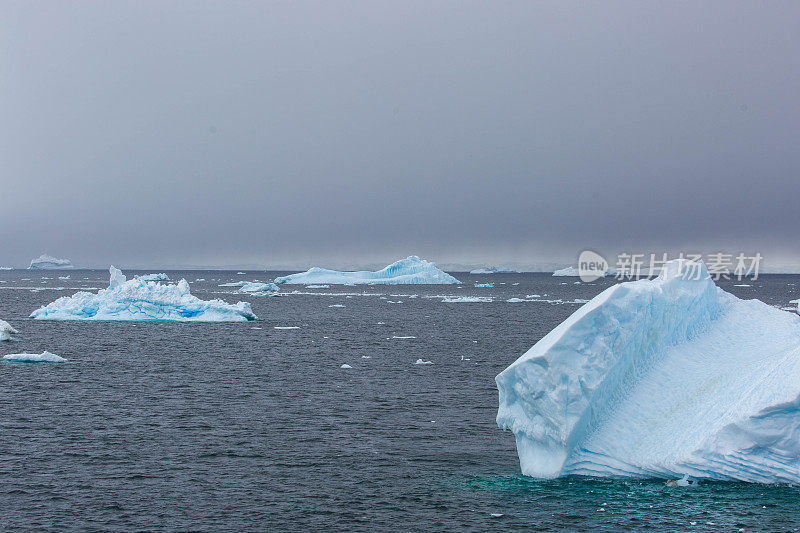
<point>245,427</point>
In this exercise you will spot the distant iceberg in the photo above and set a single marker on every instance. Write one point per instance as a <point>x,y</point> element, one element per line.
<point>255,286</point>
<point>568,271</point>
<point>44,357</point>
<point>137,300</point>
<point>6,330</point>
<point>411,270</point>
<point>493,270</point>
<point>661,378</point>
<point>153,277</point>
<point>47,262</point>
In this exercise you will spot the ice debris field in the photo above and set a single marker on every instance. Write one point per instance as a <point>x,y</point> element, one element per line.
<point>139,300</point>
<point>411,270</point>
<point>661,378</point>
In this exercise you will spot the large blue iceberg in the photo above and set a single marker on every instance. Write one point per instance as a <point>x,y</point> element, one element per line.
<point>665,378</point>
<point>411,270</point>
<point>138,300</point>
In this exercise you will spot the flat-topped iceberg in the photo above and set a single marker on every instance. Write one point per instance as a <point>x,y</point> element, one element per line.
<point>411,270</point>
<point>568,271</point>
<point>44,357</point>
<point>48,262</point>
<point>661,378</point>
<point>138,300</point>
<point>6,330</point>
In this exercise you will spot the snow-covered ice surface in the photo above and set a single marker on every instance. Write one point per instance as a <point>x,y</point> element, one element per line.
<point>137,300</point>
<point>48,262</point>
<point>44,357</point>
<point>153,277</point>
<point>411,270</point>
<point>660,378</point>
<point>6,330</point>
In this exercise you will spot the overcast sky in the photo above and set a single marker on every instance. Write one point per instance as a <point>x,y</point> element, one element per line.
<point>333,133</point>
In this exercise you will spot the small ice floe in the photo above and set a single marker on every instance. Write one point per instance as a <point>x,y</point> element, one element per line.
<point>403,337</point>
<point>366,357</point>
<point>256,328</point>
<point>199,279</point>
<point>421,362</point>
<point>287,327</point>
<point>240,273</point>
<point>318,286</point>
<point>345,366</point>
<point>257,286</point>
<point>336,305</point>
<point>394,302</point>
<point>485,285</point>
<point>63,277</point>
<point>516,300</point>
<point>496,515</point>
<point>467,299</point>
<point>466,358</point>
<point>742,285</point>
<point>44,357</point>
<point>6,330</point>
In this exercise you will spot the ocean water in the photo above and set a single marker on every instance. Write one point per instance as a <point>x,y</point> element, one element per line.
<point>244,427</point>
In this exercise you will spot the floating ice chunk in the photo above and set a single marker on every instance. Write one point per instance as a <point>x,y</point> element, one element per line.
<point>660,378</point>
<point>6,330</point>
<point>421,362</point>
<point>568,271</point>
<point>336,305</point>
<point>48,262</point>
<point>345,366</point>
<point>241,273</point>
<point>485,285</point>
<point>6,268</point>
<point>467,299</point>
<point>403,337</point>
<point>63,277</point>
<point>44,357</point>
<point>516,300</point>
<point>287,327</point>
<point>318,286</point>
<point>255,286</point>
<point>153,277</point>
<point>137,300</point>
<point>411,270</point>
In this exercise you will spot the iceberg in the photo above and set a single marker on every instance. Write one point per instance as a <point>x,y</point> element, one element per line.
<point>137,300</point>
<point>153,277</point>
<point>48,262</point>
<point>255,286</point>
<point>660,378</point>
<point>493,270</point>
<point>44,357</point>
<point>411,270</point>
<point>568,271</point>
<point>6,330</point>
